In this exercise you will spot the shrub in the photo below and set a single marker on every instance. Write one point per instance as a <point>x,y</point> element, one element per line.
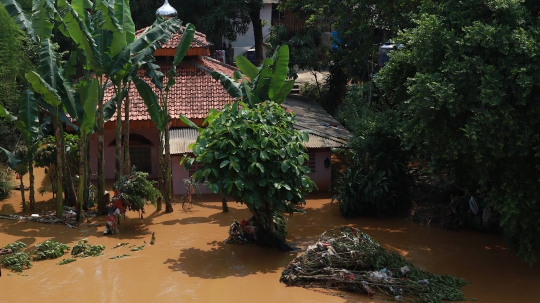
<point>377,181</point>
<point>136,190</point>
<point>6,183</point>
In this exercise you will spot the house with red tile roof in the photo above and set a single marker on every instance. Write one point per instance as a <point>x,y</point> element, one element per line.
<point>193,95</point>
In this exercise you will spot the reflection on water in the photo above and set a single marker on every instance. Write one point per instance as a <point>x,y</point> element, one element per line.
<point>191,263</point>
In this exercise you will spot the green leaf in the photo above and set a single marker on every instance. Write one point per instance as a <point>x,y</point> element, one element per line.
<point>223,163</point>
<point>29,115</point>
<point>13,160</point>
<point>283,92</point>
<point>19,16</point>
<point>42,16</point>
<point>150,100</point>
<point>264,155</point>
<point>90,105</point>
<point>6,115</point>
<point>280,69</point>
<point>39,85</point>
<point>81,36</point>
<point>230,85</point>
<point>247,67</point>
<point>189,122</point>
<point>260,167</point>
<point>123,15</point>
<point>285,166</point>
<point>184,44</point>
<point>300,159</point>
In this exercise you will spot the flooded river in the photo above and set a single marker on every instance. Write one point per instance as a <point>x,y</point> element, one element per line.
<point>191,263</point>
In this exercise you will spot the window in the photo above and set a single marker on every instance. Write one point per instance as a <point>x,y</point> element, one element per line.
<point>141,158</point>
<point>311,162</point>
<point>194,167</point>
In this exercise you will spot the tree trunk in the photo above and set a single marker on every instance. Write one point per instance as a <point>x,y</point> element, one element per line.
<point>255,16</point>
<point>101,161</point>
<point>161,182</point>
<point>21,187</point>
<point>82,176</point>
<point>69,183</point>
<point>118,157</point>
<point>87,170</point>
<point>127,164</point>
<point>59,168</point>
<point>168,174</point>
<point>224,204</point>
<point>31,194</point>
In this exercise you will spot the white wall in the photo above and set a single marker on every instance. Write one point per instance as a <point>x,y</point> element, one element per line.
<point>321,176</point>
<point>244,42</point>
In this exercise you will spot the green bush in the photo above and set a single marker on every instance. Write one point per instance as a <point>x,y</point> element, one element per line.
<point>6,183</point>
<point>377,181</point>
<point>136,190</point>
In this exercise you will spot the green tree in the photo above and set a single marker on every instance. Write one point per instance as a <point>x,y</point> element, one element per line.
<point>160,113</point>
<point>254,155</point>
<point>361,25</point>
<point>12,72</point>
<point>465,86</point>
<point>251,150</point>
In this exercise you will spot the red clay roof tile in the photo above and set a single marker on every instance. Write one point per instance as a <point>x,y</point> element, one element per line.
<point>194,93</point>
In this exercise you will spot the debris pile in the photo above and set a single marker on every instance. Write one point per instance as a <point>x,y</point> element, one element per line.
<point>69,217</point>
<point>349,259</point>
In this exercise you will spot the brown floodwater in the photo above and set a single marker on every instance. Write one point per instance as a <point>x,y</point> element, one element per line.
<point>191,263</point>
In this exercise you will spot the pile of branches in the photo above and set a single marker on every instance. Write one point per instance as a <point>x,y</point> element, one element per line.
<point>135,190</point>
<point>82,249</point>
<point>349,259</point>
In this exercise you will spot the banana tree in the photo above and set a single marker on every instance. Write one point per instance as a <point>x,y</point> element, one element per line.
<point>266,82</point>
<point>160,113</point>
<point>27,123</point>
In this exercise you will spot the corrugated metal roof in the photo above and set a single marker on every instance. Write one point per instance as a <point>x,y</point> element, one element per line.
<point>181,138</point>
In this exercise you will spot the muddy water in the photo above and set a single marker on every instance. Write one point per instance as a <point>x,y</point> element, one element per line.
<point>190,262</point>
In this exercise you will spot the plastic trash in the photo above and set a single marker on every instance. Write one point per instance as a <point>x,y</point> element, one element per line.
<point>423,282</point>
<point>398,298</point>
<point>405,269</point>
<point>35,216</point>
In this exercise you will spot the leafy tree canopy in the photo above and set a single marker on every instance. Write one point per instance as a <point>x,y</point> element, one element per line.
<point>254,155</point>
<point>466,87</point>
<point>360,24</point>
<point>225,17</point>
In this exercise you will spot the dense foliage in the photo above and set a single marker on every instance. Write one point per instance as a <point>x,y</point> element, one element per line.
<point>466,88</point>
<point>225,18</point>
<point>18,260</point>
<point>11,75</point>
<point>136,190</point>
<point>49,249</point>
<point>376,182</point>
<point>255,155</point>
<point>6,182</point>
<point>360,26</point>
<point>82,249</point>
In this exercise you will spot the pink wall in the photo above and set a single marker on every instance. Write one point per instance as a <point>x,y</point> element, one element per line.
<point>321,177</point>
<point>150,134</point>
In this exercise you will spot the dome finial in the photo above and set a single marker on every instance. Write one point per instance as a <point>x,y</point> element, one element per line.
<point>166,11</point>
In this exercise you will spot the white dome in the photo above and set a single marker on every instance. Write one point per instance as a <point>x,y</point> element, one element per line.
<point>166,11</point>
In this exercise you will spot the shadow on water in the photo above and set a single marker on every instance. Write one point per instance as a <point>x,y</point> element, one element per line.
<point>228,260</point>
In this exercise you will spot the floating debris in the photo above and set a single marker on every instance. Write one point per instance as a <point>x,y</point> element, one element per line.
<point>349,259</point>
<point>138,248</point>
<point>82,249</point>
<point>120,245</point>
<point>119,257</point>
<point>66,261</point>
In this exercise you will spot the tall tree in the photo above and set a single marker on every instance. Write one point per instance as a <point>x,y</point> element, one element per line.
<point>465,86</point>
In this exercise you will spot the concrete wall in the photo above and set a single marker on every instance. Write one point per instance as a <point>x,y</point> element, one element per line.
<point>150,134</point>
<point>321,177</point>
